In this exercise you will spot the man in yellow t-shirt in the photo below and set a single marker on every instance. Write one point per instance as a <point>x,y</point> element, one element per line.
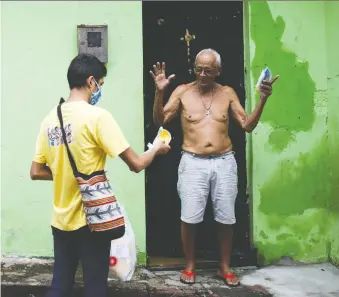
<point>92,134</point>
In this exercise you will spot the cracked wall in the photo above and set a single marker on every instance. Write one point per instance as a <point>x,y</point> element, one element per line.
<point>295,148</point>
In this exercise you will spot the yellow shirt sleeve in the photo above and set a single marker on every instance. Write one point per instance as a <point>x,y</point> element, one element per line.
<point>39,148</point>
<point>109,135</point>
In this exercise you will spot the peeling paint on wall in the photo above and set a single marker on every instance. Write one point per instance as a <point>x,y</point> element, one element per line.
<point>304,183</point>
<point>295,188</point>
<point>301,206</point>
<point>293,110</point>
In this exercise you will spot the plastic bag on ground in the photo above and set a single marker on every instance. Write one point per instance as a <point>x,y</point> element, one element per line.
<point>123,255</point>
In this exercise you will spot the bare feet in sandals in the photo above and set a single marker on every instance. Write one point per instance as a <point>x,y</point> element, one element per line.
<point>187,277</point>
<point>229,278</point>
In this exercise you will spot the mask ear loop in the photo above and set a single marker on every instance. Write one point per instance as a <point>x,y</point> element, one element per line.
<point>90,85</point>
<point>98,87</point>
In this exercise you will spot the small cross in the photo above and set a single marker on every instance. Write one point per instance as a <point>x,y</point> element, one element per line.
<point>188,38</point>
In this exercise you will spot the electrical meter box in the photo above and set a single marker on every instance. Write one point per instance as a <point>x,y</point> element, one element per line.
<point>93,39</point>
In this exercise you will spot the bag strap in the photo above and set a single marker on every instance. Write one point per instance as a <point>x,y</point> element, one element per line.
<point>70,157</point>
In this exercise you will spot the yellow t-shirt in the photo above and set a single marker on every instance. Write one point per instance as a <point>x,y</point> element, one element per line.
<point>92,133</point>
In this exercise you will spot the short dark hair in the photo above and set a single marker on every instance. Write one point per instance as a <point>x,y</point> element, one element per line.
<point>82,67</point>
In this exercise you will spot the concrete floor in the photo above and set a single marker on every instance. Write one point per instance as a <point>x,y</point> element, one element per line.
<point>321,280</point>
<point>32,277</point>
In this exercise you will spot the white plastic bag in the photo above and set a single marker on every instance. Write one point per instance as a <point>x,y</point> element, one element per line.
<point>123,256</point>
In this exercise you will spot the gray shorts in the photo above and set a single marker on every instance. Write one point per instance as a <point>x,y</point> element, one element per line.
<point>200,175</point>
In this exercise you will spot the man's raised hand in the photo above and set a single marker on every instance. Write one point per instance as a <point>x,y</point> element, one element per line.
<point>159,76</point>
<point>265,88</point>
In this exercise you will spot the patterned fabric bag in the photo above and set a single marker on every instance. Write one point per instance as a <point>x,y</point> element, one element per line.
<point>103,213</point>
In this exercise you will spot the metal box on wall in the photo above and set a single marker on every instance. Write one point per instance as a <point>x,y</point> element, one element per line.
<point>93,39</point>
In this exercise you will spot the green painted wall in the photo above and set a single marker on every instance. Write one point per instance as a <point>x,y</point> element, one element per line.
<point>294,158</point>
<point>293,154</point>
<point>331,26</point>
<point>39,39</point>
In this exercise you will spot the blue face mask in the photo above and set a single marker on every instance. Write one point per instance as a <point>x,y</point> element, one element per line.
<point>95,96</point>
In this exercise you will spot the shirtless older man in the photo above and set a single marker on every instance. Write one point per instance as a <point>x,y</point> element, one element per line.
<point>207,164</point>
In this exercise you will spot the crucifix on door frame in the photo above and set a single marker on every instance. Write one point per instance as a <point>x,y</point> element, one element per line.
<point>188,38</point>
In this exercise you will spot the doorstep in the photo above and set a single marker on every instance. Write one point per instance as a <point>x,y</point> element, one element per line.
<point>31,277</point>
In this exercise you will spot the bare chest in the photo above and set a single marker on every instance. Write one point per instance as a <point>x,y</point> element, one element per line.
<point>196,109</point>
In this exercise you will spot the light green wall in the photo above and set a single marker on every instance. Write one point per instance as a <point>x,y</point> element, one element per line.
<point>293,153</point>
<point>331,26</point>
<point>39,39</point>
<point>0,110</point>
<point>294,158</point>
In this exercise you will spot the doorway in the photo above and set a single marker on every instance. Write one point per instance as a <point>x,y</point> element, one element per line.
<point>170,28</point>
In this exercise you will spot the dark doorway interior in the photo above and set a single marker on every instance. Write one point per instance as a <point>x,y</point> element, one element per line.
<point>217,25</point>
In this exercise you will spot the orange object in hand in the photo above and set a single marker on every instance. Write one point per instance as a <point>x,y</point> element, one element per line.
<point>163,135</point>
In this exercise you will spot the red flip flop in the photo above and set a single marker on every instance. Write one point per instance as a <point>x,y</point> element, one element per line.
<point>189,274</point>
<point>227,277</point>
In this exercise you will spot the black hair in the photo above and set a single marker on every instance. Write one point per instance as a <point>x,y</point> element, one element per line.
<point>82,67</point>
